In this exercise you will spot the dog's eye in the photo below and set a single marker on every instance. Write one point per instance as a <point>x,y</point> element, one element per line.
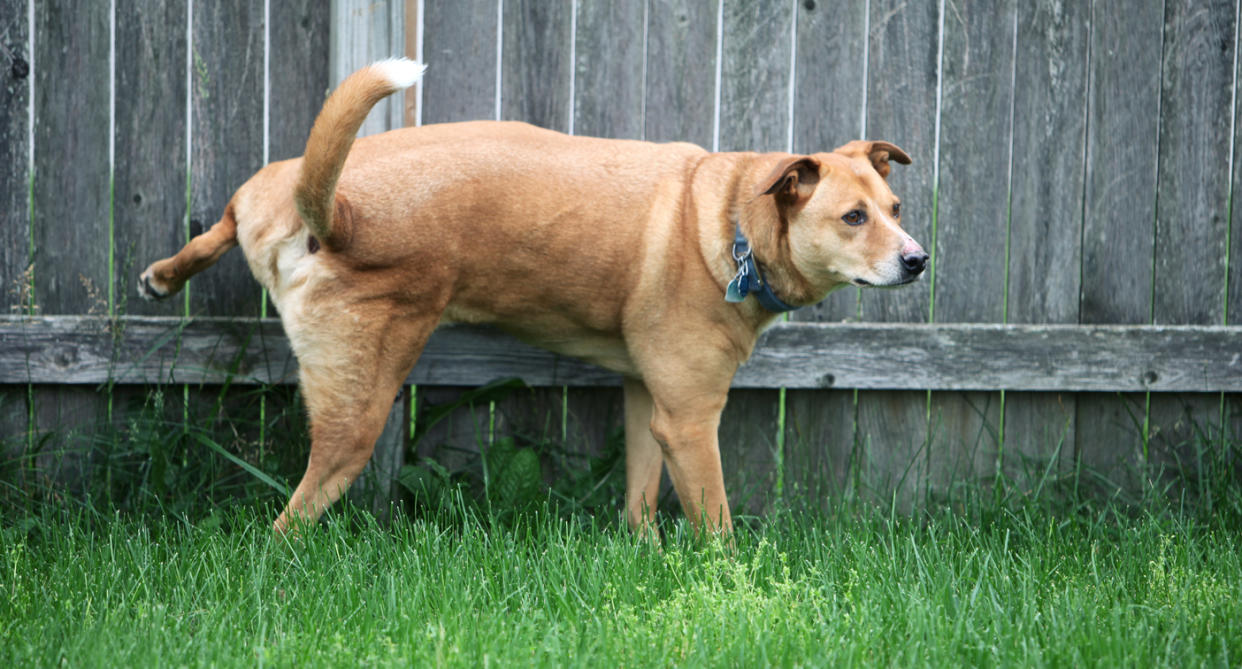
<point>856,217</point>
<point>897,210</point>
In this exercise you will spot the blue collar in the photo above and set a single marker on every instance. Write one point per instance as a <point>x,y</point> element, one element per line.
<point>749,279</point>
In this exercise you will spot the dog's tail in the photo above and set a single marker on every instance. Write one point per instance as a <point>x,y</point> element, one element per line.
<point>333,135</point>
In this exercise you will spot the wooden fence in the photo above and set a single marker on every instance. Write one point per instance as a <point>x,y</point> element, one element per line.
<point>1074,165</point>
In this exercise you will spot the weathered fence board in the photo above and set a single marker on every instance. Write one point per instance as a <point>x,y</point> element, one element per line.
<point>364,31</point>
<point>14,151</point>
<point>1192,214</point>
<point>976,102</point>
<point>15,174</point>
<point>1119,212</point>
<point>903,65</point>
<point>535,62</point>
<point>149,203</point>
<point>608,69</point>
<point>828,107</point>
<point>298,75</point>
<point>681,71</point>
<point>459,46</point>
<point>1050,111</point>
<point>71,218</point>
<point>982,356</point>
<point>226,140</point>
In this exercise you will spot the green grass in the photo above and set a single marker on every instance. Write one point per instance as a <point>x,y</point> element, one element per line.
<point>854,588</point>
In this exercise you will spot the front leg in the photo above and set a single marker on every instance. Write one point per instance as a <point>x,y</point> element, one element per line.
<point>689,383</point>
<point>686,428</point>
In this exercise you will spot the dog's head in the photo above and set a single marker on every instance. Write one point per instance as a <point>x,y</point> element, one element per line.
<point>842,222</point>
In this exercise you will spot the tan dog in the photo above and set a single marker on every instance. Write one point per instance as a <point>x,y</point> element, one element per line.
<point>617,252</point>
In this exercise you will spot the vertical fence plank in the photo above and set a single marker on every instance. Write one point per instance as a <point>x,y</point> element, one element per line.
<point>903,60</point>
<point>1232,428</point>
<point>150,136</point>
<point>364,31</point>
<point>536,67</point>
<point>361,32</point>
<point>681,71</point>
<point>1192,210</point>
<point>608,81</point>
<point>14,193</point>
<point>71,189</point>
<point>829,83</point>
<point>71,202</point>
<point>299,76</point>
<point>14,151</point>
<point>460,49</point>
<point>976,100</point>
<point>226,140</point>
<point>1046,220</point>
<point>1119,215</point>
<point>754,116</point>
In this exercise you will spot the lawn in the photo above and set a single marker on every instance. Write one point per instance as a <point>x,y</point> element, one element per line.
<point>458,588</point>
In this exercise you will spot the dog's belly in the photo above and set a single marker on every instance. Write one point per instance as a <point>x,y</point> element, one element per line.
<point>555,333</point>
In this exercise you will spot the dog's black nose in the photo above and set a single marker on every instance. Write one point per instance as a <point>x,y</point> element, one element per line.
<point>915,262</point>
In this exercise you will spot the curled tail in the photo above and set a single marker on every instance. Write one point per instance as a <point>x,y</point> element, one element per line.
<point>333,135</point>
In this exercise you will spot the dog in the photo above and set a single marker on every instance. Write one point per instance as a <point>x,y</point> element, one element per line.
<point>662,262</point>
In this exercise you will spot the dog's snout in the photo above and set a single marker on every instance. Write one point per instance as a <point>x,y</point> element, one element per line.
<point>915,262</point>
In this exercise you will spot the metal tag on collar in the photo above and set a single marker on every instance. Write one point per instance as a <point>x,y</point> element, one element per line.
<point>739,287</point>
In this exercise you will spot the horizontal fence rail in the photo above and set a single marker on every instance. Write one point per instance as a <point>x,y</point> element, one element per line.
<point>892,356</point>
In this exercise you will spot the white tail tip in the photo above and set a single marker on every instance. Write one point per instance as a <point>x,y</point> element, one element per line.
<point>402,72</point>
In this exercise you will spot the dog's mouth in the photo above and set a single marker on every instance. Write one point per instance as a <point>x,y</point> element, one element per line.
<point>863,283</point>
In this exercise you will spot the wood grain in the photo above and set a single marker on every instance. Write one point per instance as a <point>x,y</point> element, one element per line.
<point>829,93</point>
<point>754,84</point>
<point>977,99</point>
<point>15,172</point>
<point>460,50</point>
<point>608,81</point>
<point>71,202</point>
<point>902,73</point>
<point>226,141</point>
<point>1192,212</point>
<point>535,67</point>
<point>1119,216</point>
<point>681,71</point>
<point>364,31</point>
<point>299,75</point>
<point>150,136</point>
<point>1046,222</point>
<point>984,356</point>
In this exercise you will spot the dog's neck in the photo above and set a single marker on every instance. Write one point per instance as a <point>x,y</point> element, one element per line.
<point>761,221</point>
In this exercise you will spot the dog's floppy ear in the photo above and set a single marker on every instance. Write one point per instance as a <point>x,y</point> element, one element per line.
<point>792,178</point>
<point>879,153</point>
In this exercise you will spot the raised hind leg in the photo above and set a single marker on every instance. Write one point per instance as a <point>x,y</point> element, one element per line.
<point>165,277</point>
<point>349,381</point>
